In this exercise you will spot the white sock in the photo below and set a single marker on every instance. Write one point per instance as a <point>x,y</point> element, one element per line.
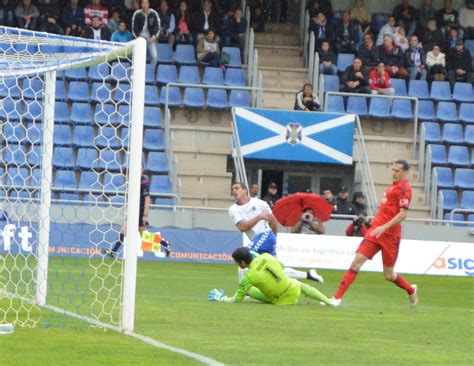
<point>293,273</point>
<point>242,272</point>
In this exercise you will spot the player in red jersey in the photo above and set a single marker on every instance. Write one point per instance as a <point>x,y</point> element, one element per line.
<point>384,235</point>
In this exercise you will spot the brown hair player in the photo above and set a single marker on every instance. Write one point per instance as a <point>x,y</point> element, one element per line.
<point>384,235</point>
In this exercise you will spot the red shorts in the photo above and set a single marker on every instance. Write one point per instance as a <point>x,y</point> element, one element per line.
<point>387,244</point>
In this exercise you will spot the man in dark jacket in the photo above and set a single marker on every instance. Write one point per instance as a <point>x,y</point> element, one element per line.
<point>167,23</point>
<point>146,24</point>
<point>96,30</point>
<point>393,58</point>
<point>368,53</point>
<point>344,206</point>
<point>354,80</point>
<point>272,195</point>
<point>72,19</point>
<point>49,17</point>
<point>347,34</point>
<point>327,59</point>
<point>205,19</point>
<point>406,16</point>
<point>459,64</point>
<point>321,28</point>
<point>431,35</point>
<point>236,32</point>
<point>415,60</point>
<point>358,202</point>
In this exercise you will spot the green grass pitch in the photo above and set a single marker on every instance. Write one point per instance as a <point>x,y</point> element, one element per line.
<point>374,326</point>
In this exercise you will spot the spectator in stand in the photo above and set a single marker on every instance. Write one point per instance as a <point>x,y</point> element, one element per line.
<point>347,35</point>
<point>466,19</point>
<point>183,29</point>
<point>415,60</point>
<point>208,49</point>
<point>308,224</point>
<point>321,29</point>
<point>328,60</point>
<point>361,15</point>
<point>49,18</point>
<point>272,195</point>
<point>431,35</point>
<point>459,64</point>
<point>122,34</point>
<point>406,16</point>
<point>146,24</point>
<point>436,64</point>
<point>393,58</point>
<point>315,7</point>
<point>205,20</point>
<point>354,79</point>
<point>452,39</point>
<point>114,21</point>
<point>368,53</point>
<point>254,188</point>
<point>448,17</point>
<point>72,19</point>
<point>96,30</point>
<point>167,22</point>
<point>257,19</point>
<point>6,13</point>
<point>379,81</point>
<point>238,27</point>
<point>306,100</point>
<point>426,12</point>
<point>359,226</point>
<point>359,207</point>
<point>95,9</point>
<point>129,13</point>
<point>27,15</point>
<point>400,39</point>
<point>388,28</point>
<point>329,197</point>
<point>344,207</point>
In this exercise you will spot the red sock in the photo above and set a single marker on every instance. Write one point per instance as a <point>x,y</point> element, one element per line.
<point>403,283</point>
<point>346,281</point>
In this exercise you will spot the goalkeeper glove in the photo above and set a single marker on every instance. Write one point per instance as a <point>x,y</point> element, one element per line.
<point>216,295</point>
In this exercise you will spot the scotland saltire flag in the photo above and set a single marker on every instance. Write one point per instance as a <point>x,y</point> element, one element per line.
<point>295,136</point>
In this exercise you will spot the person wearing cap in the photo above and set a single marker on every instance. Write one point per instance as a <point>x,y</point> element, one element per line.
<point>272,195</point>
<point>459,64</point>
<point>358,204</point>
<point>344,206</point>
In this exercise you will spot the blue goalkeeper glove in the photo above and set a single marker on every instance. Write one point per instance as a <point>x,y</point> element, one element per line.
<point>216,295</point>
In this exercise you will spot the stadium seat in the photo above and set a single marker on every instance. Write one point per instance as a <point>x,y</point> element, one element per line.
<point>93,199</point>
<point>445,178</point>
<point>452,134</point>
<point>166,74</point>
<point>121,71</point>
<point>166,201</point>
<point>60,94</point>
<point>18,177</point>
<point>9,88</point>
<point>235,56</point>
<point>239,98</point>
<point>160,184</point>
<point>61,112</point>
<point>467,200</point>
<point>109,160</point>
<point>123,94</point>
<point>438,154</point>
<point>335,104</point>
<point>447,112</point>
<point>124,137</point>
<point>426,111</point>
<point>402,109</point>
<point>65,179</point>
<point>81,113</point>
<point>117,199</point>
<point>432,132</point>
<point>35,177</point>
<point>466,113</point>
<point>151,95</point>
<point>193,98</point>
<point>235,77</point>
<point>400,87</point>
<point>454,217</point>
<point>419,89</point>
<point>189,75</point>
<point>86,158</point>
<point>378,21</point>
<point>469,44</point>
<point>150,74</point>
<point>15,155</point>
<point>99,72</point>
<point>379,107</point>
<point>78,91</point>
<point>450,199</point>
<point>344,60</point>
<point>114,182</point>
<point>469,135</point>
<point>331,83</point>
<point>464,178</point>
<point>470,219</point>
<point>69,198</point>
<point>78,74</point>
<point>105,114</point>
<point>157,162</point>
<point>216,99</point>
<point>14,132</point>
<point>152,117</point>
<point>472,157</point>
<point>62,135</point>
<point>357,105</point>
<point>213,76</point>
<point>174,96</point>
<point>441,91</point>
<point>90,180</point>
<point>34,155</point>
<point>153,140</point>
<point>107,137</point>
<point>63,158</point>
<point>32,88</point>
<point>101,92</point>
<point>33,111</point>
<point>11,110</point>
<point>463,92</point>
<point>165,53</point>
<point>34,133</point>
<point>185,54</point>
<point>123,115</point>
<point>458,156</point>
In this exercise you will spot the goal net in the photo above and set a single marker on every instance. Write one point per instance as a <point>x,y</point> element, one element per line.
<point>71,120</point>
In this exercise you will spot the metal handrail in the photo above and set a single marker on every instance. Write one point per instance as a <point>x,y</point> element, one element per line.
<point>247,32</point>
<point>305,38</point>
<point>460,210</point>
<point>250,45</point>
<point>310,63</point>
<point>315,77</point>
<point>302,21</point>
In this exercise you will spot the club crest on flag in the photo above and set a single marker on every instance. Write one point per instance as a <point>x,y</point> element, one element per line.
<point>293,133</point>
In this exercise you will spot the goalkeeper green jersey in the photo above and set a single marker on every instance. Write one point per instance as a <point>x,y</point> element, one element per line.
<point>266,273</point>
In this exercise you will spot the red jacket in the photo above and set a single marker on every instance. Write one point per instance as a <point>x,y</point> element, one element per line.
<point>376,82</point>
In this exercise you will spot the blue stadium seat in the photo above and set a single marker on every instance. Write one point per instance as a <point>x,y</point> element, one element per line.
<point>168,202</point>
<point>114,182</point>
<point>402,109</point>
<point>152,117</point>
<point>69,198</point>
<point>466,113</point>
<point>123,115</point>
<point>235,77</point>
<point>107,138</point>
<point>194,98</point>
<point>15,155</point>
<point>452,134</point>
<point>467,200</point>
<point>14,132</point>
<point>62,135</point>
<point>105,114</point>
<point>419,89</point>
<point>121,71</point>
<point>400,86</point>
<point>174,96</point>
<point>35,177</point>
<point>76,74</point>
<point>34,133</point>
<point>81,113</point>
<point>357,105</point>
<point>379,107</point>
<point>331,83</point>
<point>65,179</point>
<point>9,88</point>
<point>378,21</point>
<point>426,111</point>
<point>441,91</point>
<point>450,199</point>
<point>63,158</point>
<point>34,155</point>
<point>124,137</point>
<point>150,74</point>
<point>166,74</point>
<point>454,217</point>
<point>336,104</point>
<point>213,76</point>
<point>33,111</point>
<point>458,156</point>
<point>432,132</point>
<point>445,178</point>
<point>165,53</point>
<point>464,178</point>
<point>469,135</point>
<point>86,158</point>
<point>90,180</point>
<point>60,93</point>
<point>438,154</point>
<point>189,75</point>
<point>185,54</point>
<point>470,219</point>
<point>18,177</point>
<point>235,56</point>
<point>447,112</point>
<point>472,157</point>
<point>239,98</point>
<point>157,162</point>
<point>160,184</point>
<point>99,72</point>
<point>216,99</point>
<point>32,88</point>
<point>469,44</point>
<point>109,160</point>
<point>344,60</point>
<point>78,91</point>
<point>123,94</point>
<point>11,110</point>
<point>61,112</point>
<point>153,140</point>
<point>117,199</point>
<point>151,95</point>
<point>101,92</point>
<point>463,92</point>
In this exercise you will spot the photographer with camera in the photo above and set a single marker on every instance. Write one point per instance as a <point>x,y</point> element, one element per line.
<point>358,227</point>
<point>308,224</point>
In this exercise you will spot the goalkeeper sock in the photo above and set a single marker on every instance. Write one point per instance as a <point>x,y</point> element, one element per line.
<point>293,273</point>
<point>118,243</point>
<point>311,292</point>
<point>346,281</point>
<point>404,284</point>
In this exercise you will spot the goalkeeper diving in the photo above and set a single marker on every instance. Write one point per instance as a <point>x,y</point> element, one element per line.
<point>266,281</point>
